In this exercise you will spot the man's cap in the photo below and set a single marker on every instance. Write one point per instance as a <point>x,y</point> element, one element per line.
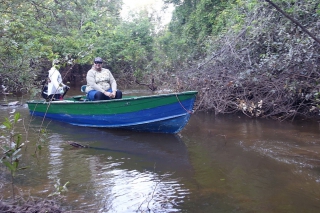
<point>98,59</point>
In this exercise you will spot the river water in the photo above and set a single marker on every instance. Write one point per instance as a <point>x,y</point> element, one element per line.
<point>225,163</point>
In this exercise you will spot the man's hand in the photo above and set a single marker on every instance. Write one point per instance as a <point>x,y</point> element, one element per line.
<point>113,94</point>
<point>65,87</point>
<point>110,94</point>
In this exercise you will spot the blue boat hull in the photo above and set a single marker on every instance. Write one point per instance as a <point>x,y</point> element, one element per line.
<point>169,118</point>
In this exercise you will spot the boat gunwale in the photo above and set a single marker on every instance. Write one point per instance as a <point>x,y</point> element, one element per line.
<point>108,101</point>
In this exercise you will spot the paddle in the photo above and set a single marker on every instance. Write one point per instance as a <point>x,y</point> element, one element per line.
<point>65,91</point>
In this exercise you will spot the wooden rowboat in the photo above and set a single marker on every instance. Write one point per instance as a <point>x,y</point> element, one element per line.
<point>165,113</point>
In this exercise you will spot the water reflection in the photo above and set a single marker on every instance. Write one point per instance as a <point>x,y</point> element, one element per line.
<point>254,164</point>
<point>216,164</point>
<point>122,171</point>
<point>55,157</point>
<point>296,143</point>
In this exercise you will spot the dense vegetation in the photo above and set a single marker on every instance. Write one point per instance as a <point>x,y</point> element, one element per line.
<point>241,55</point>
<point>261,63</point>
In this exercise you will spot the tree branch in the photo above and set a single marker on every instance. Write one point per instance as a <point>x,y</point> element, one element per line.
<point>294,21</point>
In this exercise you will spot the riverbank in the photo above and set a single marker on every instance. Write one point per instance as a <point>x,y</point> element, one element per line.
<point>38,206</point>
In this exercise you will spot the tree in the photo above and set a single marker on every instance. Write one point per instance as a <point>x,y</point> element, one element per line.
<point>35,32</point>
<point>192,23</point>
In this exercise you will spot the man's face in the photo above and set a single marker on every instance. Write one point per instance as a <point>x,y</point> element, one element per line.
<point>98,65</point>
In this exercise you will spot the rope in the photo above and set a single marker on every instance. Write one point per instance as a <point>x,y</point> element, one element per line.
<point>188,111</point>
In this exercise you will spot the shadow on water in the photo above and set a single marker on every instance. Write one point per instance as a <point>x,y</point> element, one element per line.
<point>121,171</point>
<point>162,149</point>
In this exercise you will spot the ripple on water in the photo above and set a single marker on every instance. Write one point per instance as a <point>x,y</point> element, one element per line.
<point>302,157</point>
<point>123,190</point>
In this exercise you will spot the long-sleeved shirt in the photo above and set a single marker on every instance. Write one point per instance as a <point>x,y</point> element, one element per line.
<point>100,80</point>
<point>55,85</point>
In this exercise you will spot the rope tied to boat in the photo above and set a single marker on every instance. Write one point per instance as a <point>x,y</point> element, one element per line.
<point>188,111</point>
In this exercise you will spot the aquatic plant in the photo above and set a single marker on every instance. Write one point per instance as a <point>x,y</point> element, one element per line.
<point>11,145</point>
<point>59,189</point>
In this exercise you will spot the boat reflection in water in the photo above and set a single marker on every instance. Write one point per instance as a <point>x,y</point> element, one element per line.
<point>120,170</point>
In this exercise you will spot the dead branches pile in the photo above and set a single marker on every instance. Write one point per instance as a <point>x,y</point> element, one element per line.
<point>269,69</point>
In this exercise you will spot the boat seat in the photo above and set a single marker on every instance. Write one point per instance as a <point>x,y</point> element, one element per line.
<point>83,88</point>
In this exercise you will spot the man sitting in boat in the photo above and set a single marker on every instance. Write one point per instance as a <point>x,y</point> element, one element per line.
<point>101,84</point>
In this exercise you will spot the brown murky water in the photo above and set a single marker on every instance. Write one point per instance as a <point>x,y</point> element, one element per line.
<point>216,164</point>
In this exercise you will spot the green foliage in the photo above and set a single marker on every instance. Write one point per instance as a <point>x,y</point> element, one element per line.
<point>128,46</point>
<point>42,139</point>
<point>36,32</point>
<point>11,144</point>
<point>192,23</point>
<point>33,32</point>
